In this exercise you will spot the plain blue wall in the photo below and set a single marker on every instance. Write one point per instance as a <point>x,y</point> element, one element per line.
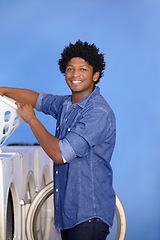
<point>32,36</point>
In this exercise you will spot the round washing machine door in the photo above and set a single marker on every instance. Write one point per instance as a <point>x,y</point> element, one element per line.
<point>32,217</point>
<point>40,216</point>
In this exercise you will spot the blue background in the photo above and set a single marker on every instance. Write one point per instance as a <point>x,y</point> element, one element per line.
<point>32,36</point>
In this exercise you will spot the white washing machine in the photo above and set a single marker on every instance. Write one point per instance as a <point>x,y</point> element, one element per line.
<point>24,172</point>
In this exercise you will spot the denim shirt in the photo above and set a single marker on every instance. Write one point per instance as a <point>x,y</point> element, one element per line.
<point>83,185</point>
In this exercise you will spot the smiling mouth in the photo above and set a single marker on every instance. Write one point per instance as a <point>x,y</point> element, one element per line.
<point>76,82</point>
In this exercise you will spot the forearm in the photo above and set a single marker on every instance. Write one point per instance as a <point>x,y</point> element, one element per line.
<point>48,142</point>
<point>20,95</point>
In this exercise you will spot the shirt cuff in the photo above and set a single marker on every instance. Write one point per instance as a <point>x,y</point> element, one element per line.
<point>64,160</point>
<point>66,150</point>
<point>39,101</point>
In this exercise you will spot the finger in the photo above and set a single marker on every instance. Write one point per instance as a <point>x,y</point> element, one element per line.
<point>18,105</point>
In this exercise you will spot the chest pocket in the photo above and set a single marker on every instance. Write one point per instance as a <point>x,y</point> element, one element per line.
<point>69,120</point>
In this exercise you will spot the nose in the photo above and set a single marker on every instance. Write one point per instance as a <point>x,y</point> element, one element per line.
<point>75,73</point>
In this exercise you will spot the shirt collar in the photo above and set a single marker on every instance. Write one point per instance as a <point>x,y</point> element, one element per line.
<point>83,102</point>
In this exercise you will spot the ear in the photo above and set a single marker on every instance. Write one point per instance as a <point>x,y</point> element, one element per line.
<point>96,76</point>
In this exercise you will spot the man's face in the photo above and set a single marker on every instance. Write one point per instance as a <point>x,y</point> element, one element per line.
<point>79,76</point>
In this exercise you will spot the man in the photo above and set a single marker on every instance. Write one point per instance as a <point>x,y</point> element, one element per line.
<point>82,147</point>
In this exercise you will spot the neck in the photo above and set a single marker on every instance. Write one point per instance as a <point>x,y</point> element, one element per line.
<point>77,96</point>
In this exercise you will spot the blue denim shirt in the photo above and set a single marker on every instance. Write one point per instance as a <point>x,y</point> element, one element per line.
<point>83,185</point>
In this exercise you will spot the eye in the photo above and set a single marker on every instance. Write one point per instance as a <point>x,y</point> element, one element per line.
<point>83,69</point>
<point>69,69</point>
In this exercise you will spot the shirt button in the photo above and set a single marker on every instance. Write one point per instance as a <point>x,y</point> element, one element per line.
<point>56,172</point>
<point>57,190</point>
<point>69,129</point>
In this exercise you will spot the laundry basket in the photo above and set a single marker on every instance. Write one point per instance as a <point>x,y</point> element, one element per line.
<point>9,118</point>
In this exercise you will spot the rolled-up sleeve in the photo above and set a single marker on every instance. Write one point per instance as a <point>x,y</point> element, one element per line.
<point>39,101</point>
<point>66,150</point>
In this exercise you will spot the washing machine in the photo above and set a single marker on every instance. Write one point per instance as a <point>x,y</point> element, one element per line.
<point>14,178</point>
<point>24,173</point>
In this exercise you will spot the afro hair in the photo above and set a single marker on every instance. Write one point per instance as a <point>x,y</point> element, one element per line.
<point>89,52</point>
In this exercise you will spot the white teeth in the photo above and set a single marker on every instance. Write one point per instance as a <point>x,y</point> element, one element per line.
<point>76,81</point>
